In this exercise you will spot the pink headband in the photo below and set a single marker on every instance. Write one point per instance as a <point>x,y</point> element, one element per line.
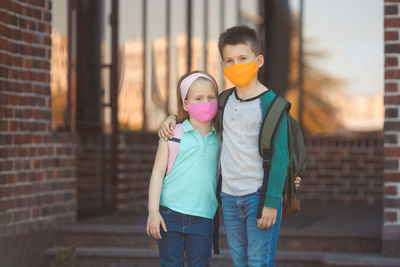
<point>188,81</point>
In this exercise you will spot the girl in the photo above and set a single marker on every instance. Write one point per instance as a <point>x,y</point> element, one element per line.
<point>182,204</point>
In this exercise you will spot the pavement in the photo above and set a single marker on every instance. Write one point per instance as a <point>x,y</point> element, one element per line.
<point>314,218</point>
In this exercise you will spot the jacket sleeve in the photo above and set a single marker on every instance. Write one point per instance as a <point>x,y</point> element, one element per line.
<point>279,165</point>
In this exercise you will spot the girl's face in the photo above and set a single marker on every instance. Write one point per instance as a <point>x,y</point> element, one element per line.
<point>201,91</point>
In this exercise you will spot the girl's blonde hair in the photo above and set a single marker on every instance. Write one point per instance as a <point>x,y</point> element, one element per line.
<point>182,114</point>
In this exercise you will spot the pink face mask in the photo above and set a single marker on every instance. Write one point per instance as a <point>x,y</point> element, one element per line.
<point>203,112</point>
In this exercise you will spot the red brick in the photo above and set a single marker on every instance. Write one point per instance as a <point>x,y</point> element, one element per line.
<point>392,202</point>
<point>391,10</point>
<point>392,151</point>
<point>391,87</point>
<point>391,126</point>
<point>391,61</point>
<point>391,190</point>
<point>390,216</point>
<point>392,100</point>
<point>390,139</point>
<point>21,215</point>
<point>392,22</point>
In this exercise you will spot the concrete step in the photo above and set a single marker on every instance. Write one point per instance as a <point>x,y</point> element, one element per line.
<point>121,257</point>
<point>124,257</point>
<point>97,235</point>
<point>329,242</point>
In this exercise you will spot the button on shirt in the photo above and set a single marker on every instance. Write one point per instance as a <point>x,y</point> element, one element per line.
<point>190,186</point>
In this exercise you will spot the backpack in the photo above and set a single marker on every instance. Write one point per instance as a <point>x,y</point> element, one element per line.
<point>173,147</point>
<point>272,115</point>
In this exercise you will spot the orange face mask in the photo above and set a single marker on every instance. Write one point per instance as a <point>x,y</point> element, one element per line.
<point>241,74</point>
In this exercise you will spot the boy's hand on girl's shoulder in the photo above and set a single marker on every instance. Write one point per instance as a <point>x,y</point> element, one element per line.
<point>153,224</point>
<point>268,217</point>
<point>167,128</point>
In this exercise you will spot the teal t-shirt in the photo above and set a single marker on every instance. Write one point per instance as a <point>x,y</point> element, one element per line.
<point>190,186</point>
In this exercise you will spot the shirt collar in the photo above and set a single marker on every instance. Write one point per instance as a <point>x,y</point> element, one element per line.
<point>187,127</point>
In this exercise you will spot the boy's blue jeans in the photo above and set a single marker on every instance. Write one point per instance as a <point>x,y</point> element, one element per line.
<point>249,246</point>
<point>190,235</point>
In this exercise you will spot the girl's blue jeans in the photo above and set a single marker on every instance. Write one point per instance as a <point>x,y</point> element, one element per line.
<point>249,246</point>
<point>186,234</point>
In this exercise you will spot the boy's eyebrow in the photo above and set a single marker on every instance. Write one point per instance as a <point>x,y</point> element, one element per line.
<point>242,55</point>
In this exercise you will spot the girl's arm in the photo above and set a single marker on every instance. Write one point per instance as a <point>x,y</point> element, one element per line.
<point>157,176</point>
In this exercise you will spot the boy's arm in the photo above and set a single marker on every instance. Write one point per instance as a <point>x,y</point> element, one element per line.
<point>167,127</point>
<point>279,164</point>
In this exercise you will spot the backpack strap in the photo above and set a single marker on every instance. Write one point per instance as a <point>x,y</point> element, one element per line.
<point>272,117</point>
<point>222,100</point>
<point>271,120</point>
<point>173,147</point>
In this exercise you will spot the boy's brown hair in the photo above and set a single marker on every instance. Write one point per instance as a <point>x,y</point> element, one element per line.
<point>240,35</point>
<point>183,114</point>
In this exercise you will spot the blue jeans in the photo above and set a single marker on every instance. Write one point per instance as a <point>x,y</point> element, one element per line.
<point>249,246</point>
<point>186,234</point>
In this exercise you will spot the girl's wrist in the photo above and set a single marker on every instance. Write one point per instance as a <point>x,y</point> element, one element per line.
<point>153,210</point>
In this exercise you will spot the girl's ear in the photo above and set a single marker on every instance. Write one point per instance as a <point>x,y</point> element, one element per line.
<point>185,106</point>
<point>260,61</point>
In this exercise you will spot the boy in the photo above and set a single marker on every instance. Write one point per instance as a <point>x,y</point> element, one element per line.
<point>252,241</point>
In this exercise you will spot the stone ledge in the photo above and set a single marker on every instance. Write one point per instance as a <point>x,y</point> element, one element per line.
<point>314,258</point>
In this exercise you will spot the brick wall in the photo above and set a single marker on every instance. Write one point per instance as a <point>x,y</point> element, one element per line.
<point>391,227</point>
<point>37,166</point>
<point>345,169</point>
<point>93,174</point>
<point>136,157</point>
<point>135,164</point>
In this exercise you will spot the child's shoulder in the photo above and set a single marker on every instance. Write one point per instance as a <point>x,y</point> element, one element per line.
<point>226,92</point>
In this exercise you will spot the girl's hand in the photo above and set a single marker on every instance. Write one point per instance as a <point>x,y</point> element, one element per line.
<point>153,224</point>
<point>167,128</point>
<point>297,182</point>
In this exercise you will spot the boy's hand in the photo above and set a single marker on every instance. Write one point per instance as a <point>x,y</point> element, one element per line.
<point>297,182</point>
<point>167,128</point>
<point>153,224</point>
<point>268,217</point>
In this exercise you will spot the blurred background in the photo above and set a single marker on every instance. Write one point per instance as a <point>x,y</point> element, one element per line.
<point>160,40</point>
<point>114,69</point>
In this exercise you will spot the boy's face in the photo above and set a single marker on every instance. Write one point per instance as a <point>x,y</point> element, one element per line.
<point>239,54</point>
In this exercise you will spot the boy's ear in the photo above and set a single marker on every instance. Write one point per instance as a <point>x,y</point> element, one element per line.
<point>222,64</point>
<point>260,61</point>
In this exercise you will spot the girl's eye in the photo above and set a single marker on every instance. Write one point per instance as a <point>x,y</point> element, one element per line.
<point>197,98</point>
